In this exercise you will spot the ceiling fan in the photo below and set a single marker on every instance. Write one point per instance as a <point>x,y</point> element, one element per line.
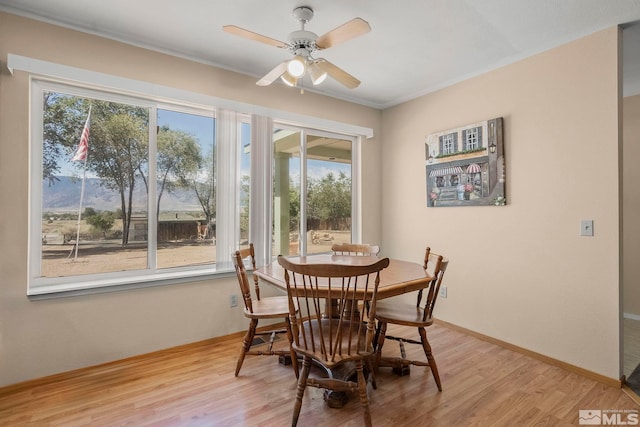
<point>303,44</point>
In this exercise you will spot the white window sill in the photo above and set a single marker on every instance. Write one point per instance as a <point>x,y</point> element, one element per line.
<point>90,287</point>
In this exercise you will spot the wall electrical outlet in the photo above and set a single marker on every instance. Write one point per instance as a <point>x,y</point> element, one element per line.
<point>443,292</point>
<point>233,300</point>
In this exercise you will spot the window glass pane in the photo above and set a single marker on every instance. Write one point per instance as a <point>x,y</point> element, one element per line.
<point>245,183</point>
<point>472,138</point>
<point>186,209</point>
<point>328,193</point>
<point>448,144</point>
<point>286,192</point>
<point>94,202</point>
<point>327,204</point>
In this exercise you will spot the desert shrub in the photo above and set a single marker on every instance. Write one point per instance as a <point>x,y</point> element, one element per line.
<point>101,222</point>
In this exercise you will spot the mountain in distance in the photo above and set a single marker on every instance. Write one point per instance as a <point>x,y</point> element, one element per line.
<point>63,195</point>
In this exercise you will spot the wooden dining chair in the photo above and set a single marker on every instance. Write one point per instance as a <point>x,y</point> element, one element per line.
<point>355,249</point>
<point>418,316</point>
<point>332,333</point>
<point>261,308</point>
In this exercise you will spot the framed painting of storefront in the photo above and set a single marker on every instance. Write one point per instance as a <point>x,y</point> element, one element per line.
<point>465,166</point>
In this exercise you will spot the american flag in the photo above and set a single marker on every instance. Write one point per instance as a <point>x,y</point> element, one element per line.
<point>81,152</point>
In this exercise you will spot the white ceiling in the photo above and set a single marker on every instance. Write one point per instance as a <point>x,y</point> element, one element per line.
<point>414,47</point>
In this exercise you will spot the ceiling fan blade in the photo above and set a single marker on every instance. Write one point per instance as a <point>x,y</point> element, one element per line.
<point>338,74</point>
<point>232,29</point>
<point>273,75</point>
<point>346,31</point>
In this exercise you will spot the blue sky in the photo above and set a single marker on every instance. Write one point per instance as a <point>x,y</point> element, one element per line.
<point>203,129</point>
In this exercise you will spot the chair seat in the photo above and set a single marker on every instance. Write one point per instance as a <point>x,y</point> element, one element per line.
<point>269,307</point>
<point>401,314</point>
<point>349,331</point>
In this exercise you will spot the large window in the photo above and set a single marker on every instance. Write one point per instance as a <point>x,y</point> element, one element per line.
<point>94,205</point>
<point>125,189</point>
<point>129,190</point>
<point>313,191</point>
<point>186,194</point>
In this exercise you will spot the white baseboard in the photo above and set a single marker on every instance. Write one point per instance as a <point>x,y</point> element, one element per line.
<point>632,316</point>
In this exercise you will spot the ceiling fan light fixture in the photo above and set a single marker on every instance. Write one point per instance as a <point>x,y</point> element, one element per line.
<point>289,80</point>
<point>296,67</point>
<point>302,45</point>
<point>316,74</point>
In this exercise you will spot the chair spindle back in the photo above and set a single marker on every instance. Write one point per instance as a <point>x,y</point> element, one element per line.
<point>238,261</point>
<point>329,326</point>
<point>355,249</point>
<point>435,265</point>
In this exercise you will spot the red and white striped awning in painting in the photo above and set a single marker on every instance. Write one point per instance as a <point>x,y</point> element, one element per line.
<point>446,171</point>
<point>473,168</point>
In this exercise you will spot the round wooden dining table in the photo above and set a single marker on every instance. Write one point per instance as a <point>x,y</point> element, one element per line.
<point>398,278</point>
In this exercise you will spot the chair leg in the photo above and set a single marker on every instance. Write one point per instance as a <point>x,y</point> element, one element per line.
<point>362,389</point>
<point>246,343</point>
<point>376,336</point>
<point>380,334</point>
<point>372,373</point>
<point>302,383</point>
<point>430,358</point>
<point>294,357</point>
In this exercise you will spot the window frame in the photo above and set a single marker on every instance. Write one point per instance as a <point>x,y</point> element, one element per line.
<point>472,138</point>
<point>448,142</point>
<point>111,88</point>
<point>305,132</point>
<point>44,285</point>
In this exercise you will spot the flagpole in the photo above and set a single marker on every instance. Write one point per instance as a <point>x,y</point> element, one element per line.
<point>82,153</point>
<point>84,174</point>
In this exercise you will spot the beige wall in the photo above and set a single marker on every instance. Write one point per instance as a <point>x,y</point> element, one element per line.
<point>39,338</point>
<point>521,273</point>
<point>631,205</point>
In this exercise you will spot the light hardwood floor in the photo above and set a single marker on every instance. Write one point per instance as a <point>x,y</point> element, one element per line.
<point>631,345</point>
<point>483,385</point>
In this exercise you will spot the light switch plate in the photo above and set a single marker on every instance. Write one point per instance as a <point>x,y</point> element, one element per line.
<point>586,227</point>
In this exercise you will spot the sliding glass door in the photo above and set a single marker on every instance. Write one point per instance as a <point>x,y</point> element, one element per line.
<point>313,190</point>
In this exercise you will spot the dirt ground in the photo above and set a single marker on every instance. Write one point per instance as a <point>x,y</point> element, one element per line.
<point>59,260</point>
<point>109,256</point>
